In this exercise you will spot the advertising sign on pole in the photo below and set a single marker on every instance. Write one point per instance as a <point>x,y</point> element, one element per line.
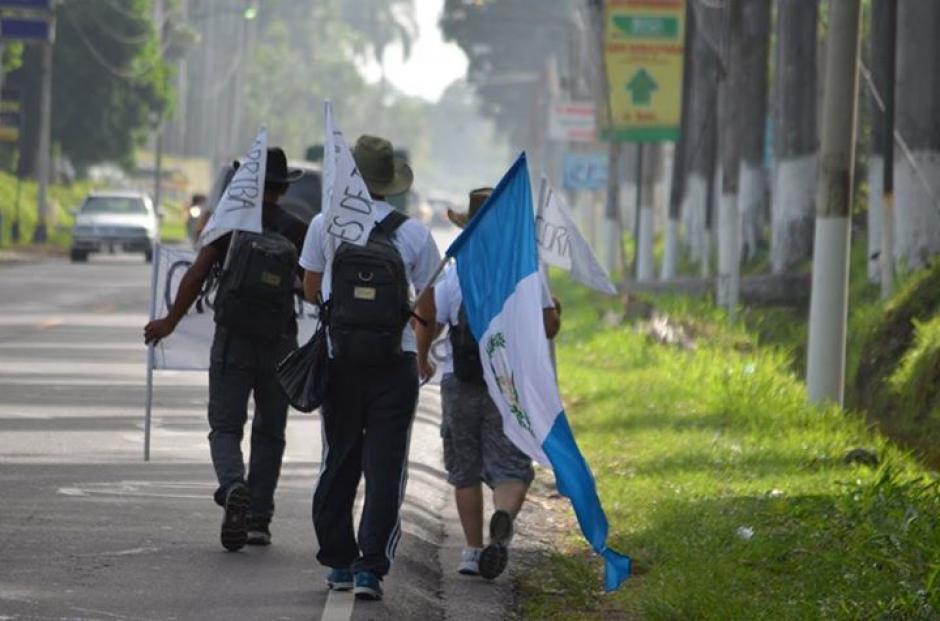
<point>643,52</point>
<point>573,121</point>
<point>584,171</point>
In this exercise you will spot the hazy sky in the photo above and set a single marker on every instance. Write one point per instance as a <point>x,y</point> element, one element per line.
<point>433,64</point>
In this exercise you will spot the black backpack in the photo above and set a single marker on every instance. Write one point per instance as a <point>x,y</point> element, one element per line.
<point>369,301</point>
<point>465,351</point>
<point>256,285</point>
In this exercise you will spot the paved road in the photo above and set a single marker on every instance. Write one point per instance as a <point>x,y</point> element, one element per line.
<point>89,531</point>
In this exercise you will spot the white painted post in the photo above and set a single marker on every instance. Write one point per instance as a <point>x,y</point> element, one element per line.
<point>825,376</point>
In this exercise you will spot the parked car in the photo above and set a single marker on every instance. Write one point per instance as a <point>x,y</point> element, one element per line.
<point>302,198</point>
<point>112,221</point>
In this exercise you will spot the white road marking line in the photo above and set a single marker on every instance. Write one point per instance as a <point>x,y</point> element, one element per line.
<point>339,606</point>
<point>123,346</point>
<point>71,491</point>
<point>129,552</point>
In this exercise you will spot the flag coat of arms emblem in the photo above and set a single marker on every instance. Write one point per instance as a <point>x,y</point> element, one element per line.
<point>498,267</point>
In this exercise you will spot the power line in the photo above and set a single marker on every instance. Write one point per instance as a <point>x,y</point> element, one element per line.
<point>898,138</point>
<point>102,60</point>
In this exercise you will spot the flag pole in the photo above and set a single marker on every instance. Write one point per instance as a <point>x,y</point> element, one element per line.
<point>151,352</point>
<point>437,272</point>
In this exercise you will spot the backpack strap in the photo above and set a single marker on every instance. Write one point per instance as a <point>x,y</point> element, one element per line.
<point>390,223</point>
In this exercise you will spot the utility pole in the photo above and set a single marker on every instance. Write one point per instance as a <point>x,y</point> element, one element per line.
<point>829,302</point>
<point>887,214</point>
<point>40,235</point>
<point>158,20</point>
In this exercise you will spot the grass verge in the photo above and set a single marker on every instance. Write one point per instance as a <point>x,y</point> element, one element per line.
<point>727,488</point>
<point>62,201</point>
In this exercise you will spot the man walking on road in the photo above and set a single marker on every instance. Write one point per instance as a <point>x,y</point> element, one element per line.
<point>377,356</point>
<point>475,447</point>
<point>255,329</point>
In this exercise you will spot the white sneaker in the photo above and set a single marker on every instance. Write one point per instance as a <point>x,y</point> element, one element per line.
<point>470,562</point>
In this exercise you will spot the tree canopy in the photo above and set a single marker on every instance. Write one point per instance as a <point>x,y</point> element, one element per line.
<point>110,80</point>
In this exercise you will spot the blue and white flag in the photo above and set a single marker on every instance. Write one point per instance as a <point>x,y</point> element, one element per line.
<point>498,268</point>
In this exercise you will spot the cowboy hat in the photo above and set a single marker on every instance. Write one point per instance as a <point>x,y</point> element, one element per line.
<point>276,170</point>
<point>477,199</point>
<point>384,173</point>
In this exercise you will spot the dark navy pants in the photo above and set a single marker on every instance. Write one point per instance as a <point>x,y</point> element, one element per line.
<point>240,367</point>
<point>367,418</point>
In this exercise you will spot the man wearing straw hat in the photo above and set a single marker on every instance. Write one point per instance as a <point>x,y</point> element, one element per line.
<point>372,390</point>
<point>475,448</point>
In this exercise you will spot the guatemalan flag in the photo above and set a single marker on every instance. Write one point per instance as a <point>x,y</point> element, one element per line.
<point>498,268</point>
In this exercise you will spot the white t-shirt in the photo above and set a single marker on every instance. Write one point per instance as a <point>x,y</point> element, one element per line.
<point>413,239</point>
<point>448,298</point>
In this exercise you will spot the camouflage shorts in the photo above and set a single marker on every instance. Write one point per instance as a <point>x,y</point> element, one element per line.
<point>475,447</point>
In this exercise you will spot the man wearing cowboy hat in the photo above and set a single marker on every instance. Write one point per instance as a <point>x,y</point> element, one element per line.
<point>240,365</point>
<point>369,407</point>
<point>475,448</point>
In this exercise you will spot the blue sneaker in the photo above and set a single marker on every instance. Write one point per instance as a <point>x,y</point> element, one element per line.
<point>368,586</point>
<point>339,579</point>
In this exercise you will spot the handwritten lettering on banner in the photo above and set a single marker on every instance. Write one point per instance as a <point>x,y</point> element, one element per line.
<point>350,216</point>
<point>245,188</point>
<point>554,240</point>
<point>239,207</point>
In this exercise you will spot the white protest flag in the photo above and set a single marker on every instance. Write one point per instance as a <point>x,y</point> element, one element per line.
<point>329,158</point>
<point>561,243</point>
<point>350,212</point>
<point>187,348</point>
<point>239,208</point>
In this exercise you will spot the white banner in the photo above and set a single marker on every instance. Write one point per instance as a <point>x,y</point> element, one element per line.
<point>189,345</point>
<point>350,212</point>
<point>561,243</point>
<point>239,209</point>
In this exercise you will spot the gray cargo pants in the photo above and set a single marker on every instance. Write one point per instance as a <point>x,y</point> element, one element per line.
<point>238,367</point>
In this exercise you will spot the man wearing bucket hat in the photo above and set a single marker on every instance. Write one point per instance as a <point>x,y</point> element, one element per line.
<point>377,357</point>
<point>242,363</point>
<point>475,448</point>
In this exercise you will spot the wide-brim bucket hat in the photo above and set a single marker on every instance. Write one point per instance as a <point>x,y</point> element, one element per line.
<point>385,174</point>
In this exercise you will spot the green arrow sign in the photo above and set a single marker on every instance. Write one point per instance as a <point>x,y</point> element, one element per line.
<point>652,26</point>
<point>641,87</point>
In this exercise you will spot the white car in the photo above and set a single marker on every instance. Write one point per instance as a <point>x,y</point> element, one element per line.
<point>115,220</point>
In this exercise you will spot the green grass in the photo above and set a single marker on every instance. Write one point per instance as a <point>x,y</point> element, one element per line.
<point>692,447</point>
<point>62,200</point>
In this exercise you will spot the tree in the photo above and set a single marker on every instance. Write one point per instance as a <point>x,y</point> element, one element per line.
<point>752,104</point>
<point>702,135</point>
<point>108,78</point>
<point>506,62</point>
<point>876,62</point>
<point>825,374</point>
<point>382,23</point>
<point>680,155</point>
<point>917,213</point>
<point>794,133</point>
<point>729,144</point>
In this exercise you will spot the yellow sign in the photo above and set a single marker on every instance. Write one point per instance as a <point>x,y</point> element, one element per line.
<point>643,49</point>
